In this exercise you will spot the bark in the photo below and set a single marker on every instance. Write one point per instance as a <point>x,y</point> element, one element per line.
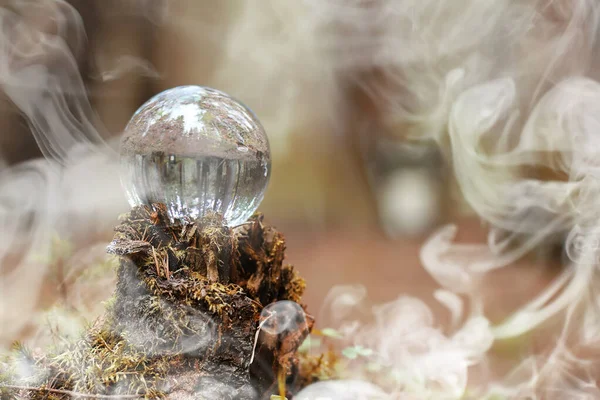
<point>200,311</point>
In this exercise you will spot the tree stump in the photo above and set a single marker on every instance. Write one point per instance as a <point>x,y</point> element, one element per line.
<point>201,311</point>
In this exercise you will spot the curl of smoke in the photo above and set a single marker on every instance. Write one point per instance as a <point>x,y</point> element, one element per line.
<point>413,357</point>
<point>72,191</point>
<point>40,75</point>
<point>27,202</point>
<point>500,85</point>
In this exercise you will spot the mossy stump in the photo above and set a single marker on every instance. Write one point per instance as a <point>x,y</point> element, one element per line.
<point>192,316</point>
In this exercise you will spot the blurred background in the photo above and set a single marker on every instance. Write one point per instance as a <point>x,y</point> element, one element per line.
<point>341,178</point>
<point>354,192</point>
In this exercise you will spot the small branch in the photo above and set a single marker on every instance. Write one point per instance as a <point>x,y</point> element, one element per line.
<point>71,393</point>
<point>256,335</point>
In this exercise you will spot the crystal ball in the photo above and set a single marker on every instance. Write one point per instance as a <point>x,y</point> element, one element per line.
<point>198,151</point>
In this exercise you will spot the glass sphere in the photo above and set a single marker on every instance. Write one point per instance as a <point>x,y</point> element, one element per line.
<point>197,150</point>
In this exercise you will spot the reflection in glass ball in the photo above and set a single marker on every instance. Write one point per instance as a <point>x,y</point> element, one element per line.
<point>198,151</point>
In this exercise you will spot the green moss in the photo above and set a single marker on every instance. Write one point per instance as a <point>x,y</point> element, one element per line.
<point>104,363</point>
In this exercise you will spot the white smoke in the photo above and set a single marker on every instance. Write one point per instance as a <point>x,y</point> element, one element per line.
<point>73,190</point>
<point>115,69</point>
<point>502,87</point>
<point>40,43</point>
<point>402,350</point>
